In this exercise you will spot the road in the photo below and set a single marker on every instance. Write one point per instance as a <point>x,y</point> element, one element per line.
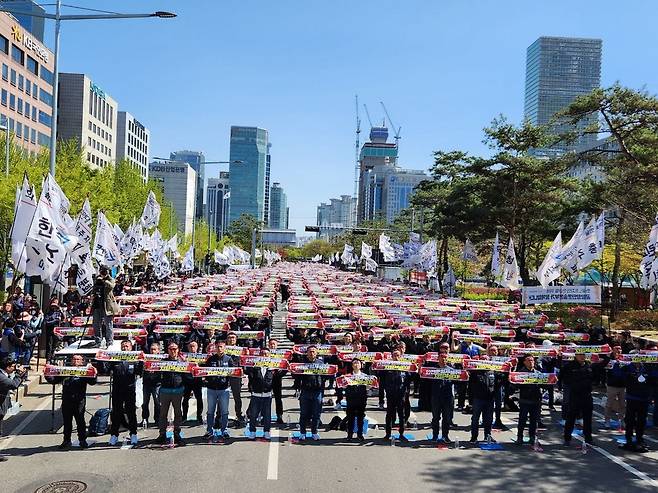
<point>328,465</point>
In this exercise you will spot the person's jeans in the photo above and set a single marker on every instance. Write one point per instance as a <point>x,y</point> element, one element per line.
<point>310,405</point>
<point>124,402</point>
<point>484,408</point>
<point>219,400</point>
<point>99,320</point>
<point>149,391</point>
<point>260,406</point>
<point>441,410</point>
<point>526,411</point>
<point>174,400</point>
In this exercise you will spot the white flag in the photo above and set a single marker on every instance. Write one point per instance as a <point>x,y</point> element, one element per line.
<point>366,250</point>
<point>649,257</point>
<point>495,259</point>
<point>449,282</point>
<point>57,199</point>
<point>549,270</point>
<point>188,261</point>
<point>510,278</point>
<point>83,224</point>
<point>26,205</point>
<point>386,248</point>
<point>346,257</point>
<point>468,253</point>
<point>567,259</point>
<point>371,265</point>
<point>588,247</point>
<point>151,215</point>
<point>105,250</point>
<point>220,258</point>
<point>45,245</point>
<point>600,233</point>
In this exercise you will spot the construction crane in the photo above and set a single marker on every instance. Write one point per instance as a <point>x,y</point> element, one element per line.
<point>395,129</point>
<point>367,114</point>
<point>356,158</point>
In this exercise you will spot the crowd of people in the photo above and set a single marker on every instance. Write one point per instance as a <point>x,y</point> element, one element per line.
<point>631,388</point>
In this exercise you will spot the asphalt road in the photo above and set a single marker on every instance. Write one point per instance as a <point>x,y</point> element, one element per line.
<point>328,465</point>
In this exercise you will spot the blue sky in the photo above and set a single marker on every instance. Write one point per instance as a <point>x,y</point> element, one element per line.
<point>444,68</point>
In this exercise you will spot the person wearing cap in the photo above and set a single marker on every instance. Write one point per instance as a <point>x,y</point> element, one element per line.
<point>11,378</point>
<point>310,397</point>
<point>74,402</point>
<point>124,377</point>
<point>171,394</point>
<point>357,398</point>
<point>530,397</point>
<point>577,377</point>
<point>103,307</point>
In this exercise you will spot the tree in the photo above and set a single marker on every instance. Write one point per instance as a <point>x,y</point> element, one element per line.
<point>240,231</point>
<point>315,247</point>
<point>629,121</point>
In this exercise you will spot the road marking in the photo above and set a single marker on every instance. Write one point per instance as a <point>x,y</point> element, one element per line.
<point>273,457</point>
<point>25,423</point>
<point>621,463</point>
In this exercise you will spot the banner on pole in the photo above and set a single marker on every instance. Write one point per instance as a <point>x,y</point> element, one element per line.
<point>581,295</point>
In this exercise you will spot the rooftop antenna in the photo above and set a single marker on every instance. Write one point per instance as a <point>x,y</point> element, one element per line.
<point>395,129</point>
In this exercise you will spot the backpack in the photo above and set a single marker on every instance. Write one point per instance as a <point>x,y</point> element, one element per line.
<point>98,424</point>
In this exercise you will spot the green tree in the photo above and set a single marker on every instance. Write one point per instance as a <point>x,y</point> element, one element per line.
<point>240,231</point>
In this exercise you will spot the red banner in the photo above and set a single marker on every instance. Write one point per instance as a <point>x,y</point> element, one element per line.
<point>69,371</point>
<point>560,336</point>
<point>74,331</point>
<point>446,373</point>
<point>104,355</point>
<point>365,356</point>
<point>532,378</point>
<point>487,365</point>
<point>312,369</point>
<point>360,379</point>
<point>323,349</point>
<point>166,365</point>
<point>392,365</point>
<point>264,362</point>
<point>598,349</point>
<point>217,371</point>
<point>172,329</point>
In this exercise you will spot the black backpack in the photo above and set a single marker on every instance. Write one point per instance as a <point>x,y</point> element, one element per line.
<point>98,424</point>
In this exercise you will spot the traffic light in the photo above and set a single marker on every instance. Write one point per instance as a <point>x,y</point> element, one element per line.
<point>312,229</point>
<point>359,231</point>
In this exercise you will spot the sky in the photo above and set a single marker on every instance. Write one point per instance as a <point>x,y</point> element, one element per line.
<point>444,68</point>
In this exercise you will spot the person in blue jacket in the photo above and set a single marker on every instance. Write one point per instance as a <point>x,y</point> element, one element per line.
<point>638,393</point>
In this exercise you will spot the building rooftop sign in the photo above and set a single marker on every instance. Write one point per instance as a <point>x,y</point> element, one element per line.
<point>29,42</point>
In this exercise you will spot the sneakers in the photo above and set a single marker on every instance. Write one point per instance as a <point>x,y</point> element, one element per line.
<point>315,437</point>
<point>178,440</point>
<point>447,441</point>
<point>133,440</point>
<point>114,440</point>
<point>489,439</point>
<point>65,445</point>
<point>302,437</point>
<point>251,435</point>
<point>267,435</point>
<point>473,440</point>
<point>338,407</point>
<point>403,438</point>
<point>361,438</point>
<point>84,444</point>
<point>226,434</point>
<point>279,420</point>
<point>208,435</point>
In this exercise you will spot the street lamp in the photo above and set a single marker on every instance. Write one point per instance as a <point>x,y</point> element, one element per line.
<point>58,17</point>
<point>225,210</point>
<point>5,127</point>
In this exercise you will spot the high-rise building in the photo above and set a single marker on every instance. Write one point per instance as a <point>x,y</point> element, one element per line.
<point>249,146</point>
<point>179,183</point>
<point>558,70</point>
<point>133,140</point>
<point>217,203</point>
<point>266,207</point>
<point>33,23</point>
<point>335,216</point>
<point>278,207</point>
<point>87,113</point>
<point>26,86</point>
<point>196,160</point>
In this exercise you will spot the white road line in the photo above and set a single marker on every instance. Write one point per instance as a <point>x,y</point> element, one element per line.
<point>25,423</point>
<point>273,457</point>
<point>646,438</point>
<point>621,463</point>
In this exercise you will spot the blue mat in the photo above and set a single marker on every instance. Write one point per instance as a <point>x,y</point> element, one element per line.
<point>408,436</point>
<point>491,446</point>
<point>296,435</point>
<point>259,433</point>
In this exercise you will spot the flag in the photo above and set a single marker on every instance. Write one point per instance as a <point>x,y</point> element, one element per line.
<point>495,259</point>
<point>600,232</point>
<point>220,258</point>
<point>366,250</point>
<point>45,245</point>
<point>188,261</point>
<point>25,208</point>
<point>346,257</point>
<point>468,253</point>
<point>549,270</point>
<point>510,278</point>
<point>567,259</point>
<point>649,257</point>
<point>449,282</point>
<point>386,248</point>
<point>427,256</point>
<point>57,199</point>
<point>105,250</point>
<point>588,247</point>
<point>371,265</point>
<point>83,224</point>
<point>151,215</point>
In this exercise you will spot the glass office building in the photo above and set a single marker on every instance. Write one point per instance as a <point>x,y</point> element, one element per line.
<point>249,145</point>
<point>558,70</point>
<point>278,207</point>
<point>196,160</point>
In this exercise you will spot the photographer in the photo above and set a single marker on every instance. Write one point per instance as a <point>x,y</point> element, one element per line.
<point>11,378</point>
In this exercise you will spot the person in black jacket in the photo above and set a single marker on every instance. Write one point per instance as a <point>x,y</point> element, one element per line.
<point>484,384</point>
<point>277,385</point>
<point>385,345</point>
<point>171,394</point>
<point>11,378</point>
<point>310,397</point>
<point>151,388</point>
<point>357,398</point>
<point>577,378</point>
<point>261,381</point>
<point>193,385</point>
<point>529,401</point>
<point>124,374</point>
<point>236,382</point>
<point>218,393</point>
<point>396,384</point>
<point>443,401</point>
<point>74,400</point>
<point>638,393</point>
